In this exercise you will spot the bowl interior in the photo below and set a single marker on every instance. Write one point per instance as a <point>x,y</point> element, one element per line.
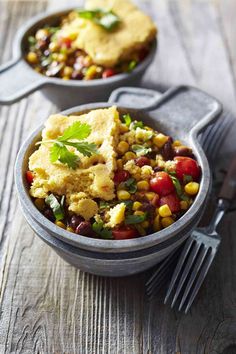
<point>98,245</point>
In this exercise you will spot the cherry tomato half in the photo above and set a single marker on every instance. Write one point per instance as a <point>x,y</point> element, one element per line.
<point>29,177</point>
<point>121,176</point>
<point>172,201</point>
<point>162,183</point>
<point>124,233</point>
<point>108,73</point>
<point>187,166</point>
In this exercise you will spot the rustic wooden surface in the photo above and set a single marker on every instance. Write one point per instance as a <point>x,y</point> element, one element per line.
<point>47,306</point>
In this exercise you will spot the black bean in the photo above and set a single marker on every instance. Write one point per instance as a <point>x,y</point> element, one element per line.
<point>167,150</point>
<point>84,228</point>
<point>182,151</point>
<point>75,221</point>
<point>49,214</point>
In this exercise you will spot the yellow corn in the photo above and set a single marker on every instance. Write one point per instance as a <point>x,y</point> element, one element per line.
<point>119,164</point>
<point>122,147</point>
<point>53,46</point>
<point>39,203</point>
<point>157,223</point>
<point>91,72</point>
<point>61,57</point>
<point>123,128</point>
<point>183,205</point>
<point>160,139</point>
<point>123,195</point>
<point>164,211</point>
<point>32,58</point>
<point>153,163</point>
<point>145,224</point>
<point>60,224</point>
<point>69,229</point>
<point>191,188</point>
<point>129,155</point>
<point>136,205</point>
<point>150,195</point>
<point>176,143</point>
<point>143,185</point>
<point>157,211</point>
<point>167,221</point>
<point>139,212</point>
<point>148,128</point>
<point>67,71</point>
<point>65,78</point>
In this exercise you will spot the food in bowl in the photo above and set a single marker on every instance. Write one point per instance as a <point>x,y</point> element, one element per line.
<point>105,175</point>
<point>92,43</point>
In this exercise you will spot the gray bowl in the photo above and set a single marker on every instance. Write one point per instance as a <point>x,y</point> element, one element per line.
<point>182,112</point>
<point>18,79</point>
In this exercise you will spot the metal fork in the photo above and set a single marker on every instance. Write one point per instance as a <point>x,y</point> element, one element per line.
<point>211,141</point>
<point>200,250</point>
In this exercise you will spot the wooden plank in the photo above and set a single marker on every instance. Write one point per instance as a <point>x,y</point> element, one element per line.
<point>47,306</point>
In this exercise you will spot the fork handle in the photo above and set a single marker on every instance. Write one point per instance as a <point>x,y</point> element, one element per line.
<point>228,188</point>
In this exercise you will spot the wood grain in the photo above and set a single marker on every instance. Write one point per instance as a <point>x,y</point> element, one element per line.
<point>47,306</point>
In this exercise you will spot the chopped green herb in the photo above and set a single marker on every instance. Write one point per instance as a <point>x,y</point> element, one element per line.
<point>132,65</point>
<point>32,40</point>
<point>57,208</point>
<point>103,205</point>
<point>135,219</point>
<point>141,150</point>
<point>127,119</point>
<point>185,197</point>
<point>53,30</point>
<point>102,231</point>
<point>108,20</point>
<point>187,178</point>
<point>136,124</point>
<point>59,151</point>
<point>177,185</point>
<point>131,185</point>
<point>128,204</point>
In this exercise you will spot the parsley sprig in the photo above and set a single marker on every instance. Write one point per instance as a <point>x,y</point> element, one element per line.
<point>72,136</point>
<point>108,20</point>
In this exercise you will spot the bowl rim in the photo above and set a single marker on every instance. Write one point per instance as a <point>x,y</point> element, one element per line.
<point>18,54</point>
<point>102,245</point>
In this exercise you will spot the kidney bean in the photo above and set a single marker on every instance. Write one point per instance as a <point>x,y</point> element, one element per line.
<point>155,201</point>
<point>149,208</point>
<point>167,150</point>
<point>49,214</point>
<point>141,161</point>
<point>75,221</point>
<point>158,169</point>
<point>182,151</point>
<point>84,228</point>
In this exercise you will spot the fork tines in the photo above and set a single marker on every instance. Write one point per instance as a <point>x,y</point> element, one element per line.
<point>189,274</point>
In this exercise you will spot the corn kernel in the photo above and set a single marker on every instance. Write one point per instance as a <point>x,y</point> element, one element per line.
<point>39,203</point>
<point>136,205</point>
<point>165,211</point>
<point>129,155</point>
<point>60,224</point>
<point>119,164</point>
<point>91,72</point>
<point>65,78</point>
<point>153,163</point>
<point>123,195</point>
<point>143,185</point>
<point>150,195</point>
<point>145,224</point>
<point>123,128</point>
<point>122,147</point>
<point>32,58</point>
<point>176,143</point>
<point>191,188</point>
<point>157,223</point>
<point>139,212</point>
<point>159,140</point>
<point>148,128</point>
<point>53,46</point>
<point>157,211</point>
<point>67,71</point>
<point>183,205</point>
<point>167,221</point>
<point>69,229</point>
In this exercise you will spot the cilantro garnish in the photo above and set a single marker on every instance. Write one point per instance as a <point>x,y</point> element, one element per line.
<point>102,231</point>
<point>177,185</point>
<point>127,119</point>
<point>135,219</point>
<point>59,151</point>
<point>132,65</point>
<point>130,185</point>
<point>141,150</point>
<point>56,206</point>
<point>136,124</point>
<point>108,20</point>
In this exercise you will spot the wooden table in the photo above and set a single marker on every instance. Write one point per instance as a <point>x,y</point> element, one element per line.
<point>47,306</point>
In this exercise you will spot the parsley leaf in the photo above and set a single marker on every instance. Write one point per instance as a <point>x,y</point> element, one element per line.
<point>136,124</point>
<point>102,231</point>
<point>140,150</point>
<point>130,185</point>
<point>62,154</point>
<point>127,119</point>
<point>135,219</point>
<point>77,130</point>
<point>177,185</point>
<point>57,208</point>
<point>108,20</point>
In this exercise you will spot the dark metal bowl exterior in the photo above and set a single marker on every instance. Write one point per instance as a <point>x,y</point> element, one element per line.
<point>18,79</point>
<point>124,257</point>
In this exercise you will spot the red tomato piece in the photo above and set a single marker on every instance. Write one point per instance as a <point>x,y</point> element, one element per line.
<point>65,42</point>
<point>172,201</point>
<point>124,233</point>
<point>162,183</point>
<point>187,166</point>
<point>121,176</point>
<point>142,160</point>
<point>108,73</point>
<point>29,177</point>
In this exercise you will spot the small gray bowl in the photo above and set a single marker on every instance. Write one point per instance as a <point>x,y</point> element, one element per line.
<point>181,112</point>
<point>19,79</point>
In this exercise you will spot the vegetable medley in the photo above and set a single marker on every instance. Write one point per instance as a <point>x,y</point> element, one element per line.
<point>155,182</point>
<point>55,53</point>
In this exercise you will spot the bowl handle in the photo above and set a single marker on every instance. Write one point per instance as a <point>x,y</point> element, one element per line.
<point>184,109</point>
<point>17,81</point>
